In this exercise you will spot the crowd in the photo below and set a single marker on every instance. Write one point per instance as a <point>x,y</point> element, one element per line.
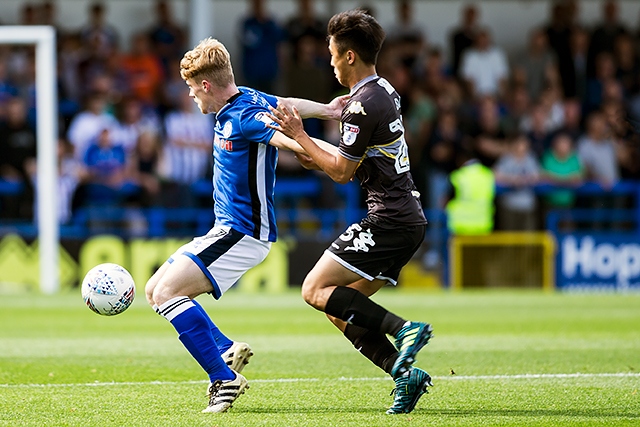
<point>556,111</point>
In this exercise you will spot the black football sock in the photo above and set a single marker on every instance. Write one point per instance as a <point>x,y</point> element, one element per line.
<point>354,307</point>
<point>373,345</point>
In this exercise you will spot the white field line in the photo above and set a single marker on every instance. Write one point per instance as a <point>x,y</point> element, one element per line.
<point>308,380</point>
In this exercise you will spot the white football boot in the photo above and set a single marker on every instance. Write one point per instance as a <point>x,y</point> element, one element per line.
<point>237,356</point>
<point>222,394</point>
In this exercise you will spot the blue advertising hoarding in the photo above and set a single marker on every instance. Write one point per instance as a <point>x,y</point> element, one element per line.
<point>599,261</point>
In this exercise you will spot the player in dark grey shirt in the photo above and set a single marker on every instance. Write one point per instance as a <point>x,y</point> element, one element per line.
<point>373,136</point>
<point>371,253</point>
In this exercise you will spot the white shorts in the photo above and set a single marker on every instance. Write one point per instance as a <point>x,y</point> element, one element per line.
<point>224,255</point>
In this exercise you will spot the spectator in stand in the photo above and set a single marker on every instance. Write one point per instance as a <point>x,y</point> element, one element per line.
<point>70,174</point>
<point>260,38</point>
<point>307,78</point>
<point>604,35</point>
<point>537,130</point>
<point>605,72</point>
<point>575,84</point>
<point>572,119</point>
<point>47,15</point>
<point>7,89</point>
<point>406,36</point>
<point>98,35</point>
<point>484,67</point>
<point>627,148</point>
<point>171,90</point>
<point>517,109</point>
<point>435,79</point>
<point>187,152</point>
<point>445,144</point>
<point>418,120</point>
<point>70,55</point>
<point>536,68</point>
<point>559,32</point>
<point>552,111</point>
<point>18,148</point>
<point>143,70</point>
<point>305,26</point>
<point>167,37</point>
<point>561,166</point>
<point>518,170</point>
<point>627,65</point>
<point>86,125</point>
<point>597,152</point>
<point>144,161</point>
<point>463,37</point>
<point>95,63</point>
<point>600,156</point>
<point>488,133</point>
<point>133,120</point>
<point>108,180</point>
<point>28,14</point>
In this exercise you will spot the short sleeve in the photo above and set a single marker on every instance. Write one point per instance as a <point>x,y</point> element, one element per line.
<point>356,129</point>
<point>253,124</point>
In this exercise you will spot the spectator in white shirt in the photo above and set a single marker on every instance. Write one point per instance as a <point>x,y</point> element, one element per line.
<point>484,67</point>
<point>87,124</point>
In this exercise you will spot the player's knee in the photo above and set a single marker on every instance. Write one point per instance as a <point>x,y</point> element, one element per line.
<point>310,294</point>
<point>161,294</point>
<point>148,291</point>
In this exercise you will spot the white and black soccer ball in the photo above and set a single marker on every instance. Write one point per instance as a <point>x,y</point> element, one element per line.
<point>108,289</point>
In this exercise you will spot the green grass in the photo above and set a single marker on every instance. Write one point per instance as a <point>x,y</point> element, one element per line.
<point>62,365</point>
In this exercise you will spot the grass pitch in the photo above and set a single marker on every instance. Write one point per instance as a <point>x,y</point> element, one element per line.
<point>498,358</point>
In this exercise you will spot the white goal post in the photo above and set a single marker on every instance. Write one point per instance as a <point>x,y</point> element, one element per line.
<point>44,38</point>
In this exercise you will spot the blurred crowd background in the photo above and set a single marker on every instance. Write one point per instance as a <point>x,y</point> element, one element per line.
<point>555,112</point>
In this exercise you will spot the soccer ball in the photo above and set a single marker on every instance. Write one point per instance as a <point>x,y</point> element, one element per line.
<point>108,289</point>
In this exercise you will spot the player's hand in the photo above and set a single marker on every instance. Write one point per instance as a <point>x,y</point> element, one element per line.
<point>336,106</point>
<point>288,122</point>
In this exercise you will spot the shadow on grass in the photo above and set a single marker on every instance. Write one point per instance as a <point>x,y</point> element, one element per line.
<point>525,413</point>
<point>571,413</point>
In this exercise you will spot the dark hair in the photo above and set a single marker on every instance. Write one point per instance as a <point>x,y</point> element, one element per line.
<point>358,31</point>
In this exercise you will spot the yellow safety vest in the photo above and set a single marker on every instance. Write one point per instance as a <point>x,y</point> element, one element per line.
<point>471,211</point>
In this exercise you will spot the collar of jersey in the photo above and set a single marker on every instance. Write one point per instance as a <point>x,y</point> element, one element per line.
<point>361,83</point>
<point>231,101</point>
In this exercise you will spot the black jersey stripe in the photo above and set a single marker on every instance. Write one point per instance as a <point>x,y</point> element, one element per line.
<point>256,206</point>
<point>220,247</point>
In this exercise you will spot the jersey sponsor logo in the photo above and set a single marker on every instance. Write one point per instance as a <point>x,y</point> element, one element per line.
<point>264,118</point>
<point>361,239</point>
<point>350,133</point>
<point>356,108</point>
<point>223,143</point>
<point>227,129</point>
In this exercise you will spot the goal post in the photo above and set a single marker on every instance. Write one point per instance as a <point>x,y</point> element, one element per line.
<point>44,39</point>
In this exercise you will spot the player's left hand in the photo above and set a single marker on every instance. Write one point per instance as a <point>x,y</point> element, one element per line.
<point>336,106</point>
<point>289,122</point>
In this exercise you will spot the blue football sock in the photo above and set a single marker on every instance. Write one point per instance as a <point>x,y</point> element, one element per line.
<point>194,332</point>
<point>222,341</point>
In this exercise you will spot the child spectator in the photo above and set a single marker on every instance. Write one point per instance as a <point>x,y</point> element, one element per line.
<point>561,166</point>
<point>518,170</point>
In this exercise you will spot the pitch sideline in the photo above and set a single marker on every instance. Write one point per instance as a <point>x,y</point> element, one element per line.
<point>304,380</point>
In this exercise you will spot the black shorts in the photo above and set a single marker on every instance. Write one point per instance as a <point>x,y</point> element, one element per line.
<point>377,250</point>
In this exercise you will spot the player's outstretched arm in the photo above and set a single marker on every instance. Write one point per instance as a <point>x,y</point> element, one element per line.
<point>325,155</point>
<point>307,108</point>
